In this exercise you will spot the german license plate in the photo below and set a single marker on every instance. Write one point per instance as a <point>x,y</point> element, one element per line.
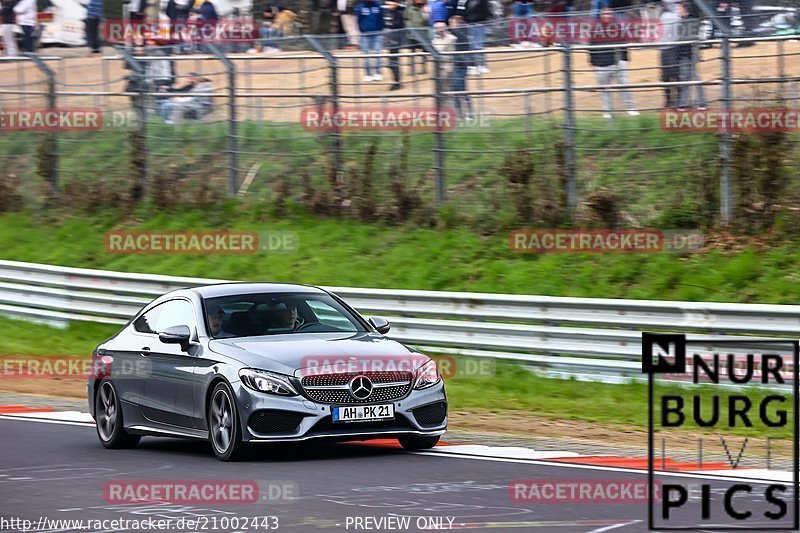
<point>363,413</point>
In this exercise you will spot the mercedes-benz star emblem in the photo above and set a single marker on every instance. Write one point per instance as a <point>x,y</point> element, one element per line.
<point>360,387</point>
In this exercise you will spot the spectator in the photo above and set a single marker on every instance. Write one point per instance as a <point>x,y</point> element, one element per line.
<point>208,20</point>
<point>7,21</point>
<point>349,22</point>
<point>460,65</point>
<point>688,57</point>
<point>650,9</point>
<point>192,106</point>
<point>611,67</point>
<point>598,5</point>
<point>670,5</point>
<point>444,42</point>
<point>476,13</point>
<point>670,71</point>
<point>522,9</point>
<point>177,14</point>
<point>137,9</point>
<point>25,12</point>
<point>94,13</point>
<point>439,12</point>
<point>416,16</point>
<point>370,24</point>
<point>267,34</point>
<point>393,21</point>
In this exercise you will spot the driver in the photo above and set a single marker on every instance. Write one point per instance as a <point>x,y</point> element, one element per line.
<point>287,316</point>
<point>215,315</point>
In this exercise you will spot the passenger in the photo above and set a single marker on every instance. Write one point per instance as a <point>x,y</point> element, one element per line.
<point>215,315</point>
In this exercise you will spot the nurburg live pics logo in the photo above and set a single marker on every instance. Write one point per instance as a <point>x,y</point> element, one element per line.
<point>725,502</point>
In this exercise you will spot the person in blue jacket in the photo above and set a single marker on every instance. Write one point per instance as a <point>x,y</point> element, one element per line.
<point>440,12</point>
<point>370,23</point>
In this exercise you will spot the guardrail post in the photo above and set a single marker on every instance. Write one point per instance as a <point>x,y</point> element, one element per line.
<point>438,150</point>
<point>139,151</point>
<point>336,134</point>
<point>569,134</point>
<point>48,154</point>
<point>233,134</point>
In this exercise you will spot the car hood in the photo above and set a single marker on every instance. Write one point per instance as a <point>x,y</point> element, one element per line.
<point>294,353</point>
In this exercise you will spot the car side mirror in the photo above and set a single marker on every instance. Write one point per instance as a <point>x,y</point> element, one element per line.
<point>176,335</point>
<point>380,324</point>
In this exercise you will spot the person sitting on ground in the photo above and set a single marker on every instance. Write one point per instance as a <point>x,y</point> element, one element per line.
<point>193,106</point>
<point>215,320</point>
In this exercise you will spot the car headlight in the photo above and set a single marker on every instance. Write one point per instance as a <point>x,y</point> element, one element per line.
<point>427,375</point>
<point>269,382</point>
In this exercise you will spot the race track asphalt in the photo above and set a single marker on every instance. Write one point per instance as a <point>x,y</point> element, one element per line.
<point>60,471</point>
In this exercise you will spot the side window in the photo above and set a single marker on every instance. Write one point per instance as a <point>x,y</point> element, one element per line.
<point>329,316</point>
<point>147,322</point>
<point>175,313</point>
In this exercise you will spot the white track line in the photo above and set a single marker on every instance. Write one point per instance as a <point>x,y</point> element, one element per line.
<point>506,454</point>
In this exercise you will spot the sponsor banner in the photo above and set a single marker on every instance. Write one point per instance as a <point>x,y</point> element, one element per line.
<point>763,120</point>
<point>385,118</point>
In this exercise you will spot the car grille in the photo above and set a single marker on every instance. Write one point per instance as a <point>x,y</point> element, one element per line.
<point>272,421</point>
<point>431,415</point>
<point>334,388</point>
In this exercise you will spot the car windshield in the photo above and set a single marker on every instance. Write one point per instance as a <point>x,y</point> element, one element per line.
<point>277,314</point>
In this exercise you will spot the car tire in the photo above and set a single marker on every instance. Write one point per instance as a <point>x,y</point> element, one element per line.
<point>224,430</point>
<point>108,414</point>
<point>418,443</point>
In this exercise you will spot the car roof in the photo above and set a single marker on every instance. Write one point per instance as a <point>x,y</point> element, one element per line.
<point>233,289</point>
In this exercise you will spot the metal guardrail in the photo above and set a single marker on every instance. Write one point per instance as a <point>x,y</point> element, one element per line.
<point>582,334</point>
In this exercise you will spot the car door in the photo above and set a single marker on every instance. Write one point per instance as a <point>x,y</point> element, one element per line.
<point>167,397</point>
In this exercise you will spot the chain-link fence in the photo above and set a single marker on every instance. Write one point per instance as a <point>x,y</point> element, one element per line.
<point>527,128</point>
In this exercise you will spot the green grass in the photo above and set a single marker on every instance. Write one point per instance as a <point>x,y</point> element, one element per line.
<point>343,252</point>
<point>635,158</point>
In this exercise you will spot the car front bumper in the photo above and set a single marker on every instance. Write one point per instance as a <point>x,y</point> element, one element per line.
<point>270,418</point>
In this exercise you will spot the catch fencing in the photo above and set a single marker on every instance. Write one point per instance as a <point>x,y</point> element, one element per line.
<point>565,335</point>
<point>536,108</point>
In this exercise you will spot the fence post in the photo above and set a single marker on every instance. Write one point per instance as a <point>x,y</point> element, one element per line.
<point>726,139</point>
<point>233,134</point>
<point>569,134</point>
<point>336,134</point>
<point>438,134</point>
<point>50,151</point>
<point>140,109</point>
